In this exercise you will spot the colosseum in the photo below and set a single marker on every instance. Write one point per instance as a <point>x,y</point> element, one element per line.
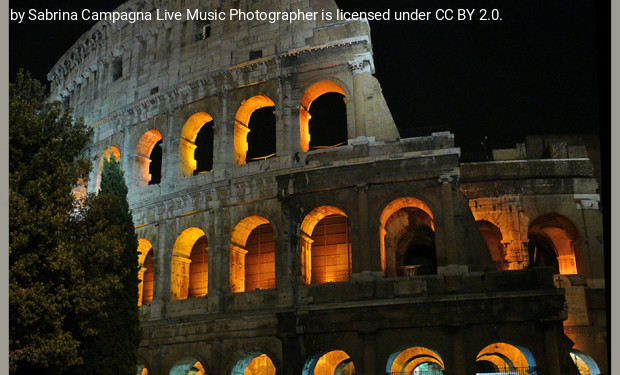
<point>286,227</point>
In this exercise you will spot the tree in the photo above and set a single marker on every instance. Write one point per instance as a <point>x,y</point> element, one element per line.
<point>72,269</point>
<point>44,163</point>
<point>107,222</point>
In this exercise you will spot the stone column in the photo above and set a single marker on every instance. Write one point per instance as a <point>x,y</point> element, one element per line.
<point>305,243</point>
<point>370,351</point>
<point>447,213</point>
<point>359,67</point>
<point>141,278</point>
<point>179,277</point>
<point>551,345</point>
<point>459,364</point>
<point>218,254</point>
<point>364,253</point>
<point>237,268</point>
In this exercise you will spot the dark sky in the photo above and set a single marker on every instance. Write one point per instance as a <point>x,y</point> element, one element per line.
<point>543,69</point>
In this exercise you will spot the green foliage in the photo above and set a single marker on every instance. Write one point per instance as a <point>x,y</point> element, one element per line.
<point>72,269</point>
<point>44,164</point>
<point>108,222</point>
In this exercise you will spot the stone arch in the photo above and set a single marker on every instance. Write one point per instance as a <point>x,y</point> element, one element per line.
<point>334,362</point>
<point>407,236</point>
<point>326,251</point>
<point>188,148</point>
<point>506,357</point>
<point>493,237</point>
<point>142,368</point>
<point>149,158</point>
<point>146,272</point>
<point>554,241</point>
<point>187,366</point>
<point>107,154</point>
<point>310,95</point>
<point>585,364</point>
<point>242,125</point>
<point>407,359</point>
<point>254,363</point>
<point>189,276</point>
<point>252,255</point>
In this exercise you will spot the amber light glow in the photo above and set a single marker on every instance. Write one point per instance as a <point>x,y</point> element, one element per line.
<point>334,362</point>
<point>260,365</point>
<point>252,255</point>
<point>507,356</point>
<point>311,93</point>
<point>399,220</point>
<point>143,155</point>
<point>185,277</point>
<point>492,236</point>
<point>146,272</point>
<point>325,242</point>
<point>406,361</point>
<point>188,136</point>
<point>562,240</point>
<point>242,120</point>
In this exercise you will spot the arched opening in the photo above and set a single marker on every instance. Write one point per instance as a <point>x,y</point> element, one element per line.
<point>492,235</point>
<point>199,269</point>
<point>407,238</point>
<point>187,366</point>
<point>252,255</point>
<point>196,145</point>
<point>505,358</point>
<point>323,116</point>
<point>262,135</point>
<point>554,242</point>
<point>203,154</point>
<point>254,364</point>
<point>146,273</point>
<point>325,241</point>
<point>149,158</point>
<point>585,364</point>
<point>190,265</point>
<point>155,166</point>
<point>335,362</point>
<point>142,370</point>
<point>415,360</point>
<point>108,153</point>
<point>256,117</point>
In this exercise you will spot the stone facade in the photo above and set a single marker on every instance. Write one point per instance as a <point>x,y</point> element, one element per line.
<point>383,300</point>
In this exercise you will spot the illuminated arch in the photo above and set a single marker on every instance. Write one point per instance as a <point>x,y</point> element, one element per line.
<point>146,271</point>
<point>406,228</point>
<point>585,364</point>
<point>144,151</point>
<point>254,364</point>
<point>492,236</point>
<point>242,121</point>
<point>335,362</point>
<point>142,369</point>
<point>406,360</point>
<point>187,366</point>
<point>107,155</point>
<point>554,235</point>
<point>325,254</point>
<point>312,93</point>
<point>507,357</point>
<point>187,146</point>
<point>252,255</point>
<point>189,276</point>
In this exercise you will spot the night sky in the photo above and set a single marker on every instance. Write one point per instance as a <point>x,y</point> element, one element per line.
<point>543,69</point>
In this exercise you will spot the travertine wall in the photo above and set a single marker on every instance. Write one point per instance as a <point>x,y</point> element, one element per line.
<point>553,186</point>
<point>172,81</point>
